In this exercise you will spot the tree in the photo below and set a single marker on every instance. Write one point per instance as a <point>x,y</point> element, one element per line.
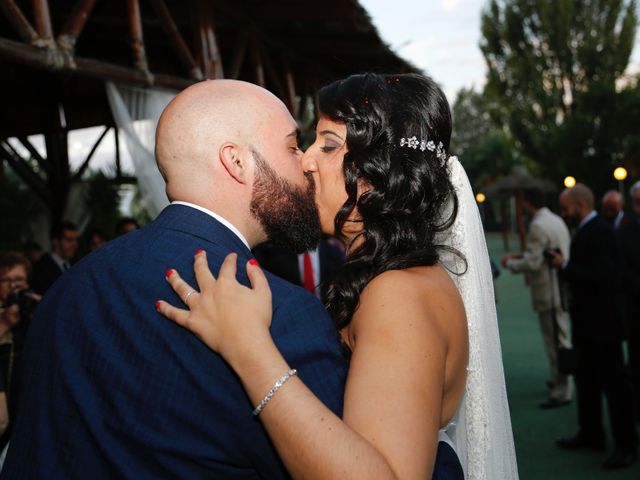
<point>485,150</point>
<point>547,59</point>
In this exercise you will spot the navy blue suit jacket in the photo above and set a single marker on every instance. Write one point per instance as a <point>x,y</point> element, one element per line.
<point>112,389</point>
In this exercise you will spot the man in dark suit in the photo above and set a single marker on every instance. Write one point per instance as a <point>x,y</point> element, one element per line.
<point>613,209</point>
<point>311,270</point>
<point>64,246</point>
<point>114,390</point>
<point>629,239</point>
<point>592,277</point>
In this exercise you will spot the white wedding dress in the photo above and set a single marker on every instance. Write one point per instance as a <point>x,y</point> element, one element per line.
<point>481,432</point>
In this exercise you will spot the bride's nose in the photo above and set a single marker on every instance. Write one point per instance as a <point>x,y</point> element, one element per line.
<point>308,163</point>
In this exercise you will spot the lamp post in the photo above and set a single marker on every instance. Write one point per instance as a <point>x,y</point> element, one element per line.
<point>620,174</point>
<point>481,198</point>
<point>569,181</point>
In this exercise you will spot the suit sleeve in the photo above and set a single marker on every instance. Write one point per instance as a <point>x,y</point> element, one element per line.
<point>533,257</point>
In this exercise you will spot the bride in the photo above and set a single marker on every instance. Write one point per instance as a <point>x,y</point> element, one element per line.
<point>413,302</point>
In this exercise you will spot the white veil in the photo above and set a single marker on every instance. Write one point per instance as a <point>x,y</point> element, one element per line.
<point>481,430</point>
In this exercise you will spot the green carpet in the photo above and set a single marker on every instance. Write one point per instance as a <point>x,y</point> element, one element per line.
<point>526,373</point>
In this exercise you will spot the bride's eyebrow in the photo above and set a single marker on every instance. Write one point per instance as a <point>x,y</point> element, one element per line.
<point>295,134</point>
<point>331,132</point>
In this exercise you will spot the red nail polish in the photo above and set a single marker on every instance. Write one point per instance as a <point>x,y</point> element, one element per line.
<point>254,262</point>
<point>199,251</point>
<point>169,273</point>
<point>157,304</point>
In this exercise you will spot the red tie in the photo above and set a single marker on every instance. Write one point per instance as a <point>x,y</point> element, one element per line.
<point>308,282</point>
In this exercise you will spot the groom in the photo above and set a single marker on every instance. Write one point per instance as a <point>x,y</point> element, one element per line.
<point>114,390</point>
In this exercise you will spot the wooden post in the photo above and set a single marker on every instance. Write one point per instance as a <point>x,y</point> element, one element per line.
<point>239,53</point>
<point>75,24</point>
<point>273,75</point>
<point>19,21</point>
<point>520,220</point>
<point>43,21</point>
<point>209,53</point>
<point>290,86</point>
<point>256,60</point>
<point>177,41</point>
<point>137,41</point>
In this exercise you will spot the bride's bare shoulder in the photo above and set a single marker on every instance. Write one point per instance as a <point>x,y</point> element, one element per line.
<point>418,296</point>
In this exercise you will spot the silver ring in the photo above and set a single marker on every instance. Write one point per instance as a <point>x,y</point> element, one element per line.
<point>186,297</point>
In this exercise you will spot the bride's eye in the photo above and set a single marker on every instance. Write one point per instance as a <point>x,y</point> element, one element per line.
<point>328,148</point>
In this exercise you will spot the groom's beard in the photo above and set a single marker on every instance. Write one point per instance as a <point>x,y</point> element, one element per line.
<point>287,213</point>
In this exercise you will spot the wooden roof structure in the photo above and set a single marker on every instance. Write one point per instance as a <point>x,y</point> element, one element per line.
<point>65,49</point>
<point>56,55</point>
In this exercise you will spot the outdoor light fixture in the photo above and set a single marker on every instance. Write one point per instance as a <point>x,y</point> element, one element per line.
<point>569,182</point>
<point>620,173</point>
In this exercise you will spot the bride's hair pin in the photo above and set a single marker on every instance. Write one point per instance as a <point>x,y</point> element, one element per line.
<point>413,142</point>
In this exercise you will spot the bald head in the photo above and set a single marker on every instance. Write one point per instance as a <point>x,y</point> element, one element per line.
<point>576,203</point>
<point>199,120</point>
<point>215,140</point>
<point>580,194</point>
<point>612,205</point>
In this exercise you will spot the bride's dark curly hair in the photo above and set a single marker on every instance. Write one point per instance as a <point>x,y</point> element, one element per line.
<point>407,190</point>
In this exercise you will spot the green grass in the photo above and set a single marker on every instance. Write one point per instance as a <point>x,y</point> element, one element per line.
<point>526,372</point>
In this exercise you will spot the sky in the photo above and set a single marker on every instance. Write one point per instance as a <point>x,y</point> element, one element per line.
<point>441,37</point>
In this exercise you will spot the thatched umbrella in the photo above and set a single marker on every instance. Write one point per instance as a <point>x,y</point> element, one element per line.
<point>514,184</point>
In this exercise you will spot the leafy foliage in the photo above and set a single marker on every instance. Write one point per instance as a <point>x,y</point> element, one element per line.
<point>553,67</point>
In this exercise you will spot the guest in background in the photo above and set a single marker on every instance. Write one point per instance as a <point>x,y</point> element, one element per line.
<point>32,251</point>
<point>96,238</point>
<point>592,275</point>
<point>126,225</point>
<point>547,232</point>
<point>64,247</point>
<point>312,270</point>
<point>613,209</point>
<point>629,240</point>
<point>17,304</point>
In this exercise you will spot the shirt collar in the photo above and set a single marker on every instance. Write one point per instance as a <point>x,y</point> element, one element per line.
<point>588,218</point>
<point>222,220</point>
<point>61,262</point>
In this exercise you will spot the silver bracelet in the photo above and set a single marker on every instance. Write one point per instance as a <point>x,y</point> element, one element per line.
<point>274,389</point>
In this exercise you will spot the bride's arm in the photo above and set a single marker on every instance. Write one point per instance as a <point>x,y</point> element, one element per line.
<point>394,387</point>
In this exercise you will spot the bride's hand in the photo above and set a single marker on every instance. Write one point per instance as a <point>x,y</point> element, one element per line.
<point>227,316</point>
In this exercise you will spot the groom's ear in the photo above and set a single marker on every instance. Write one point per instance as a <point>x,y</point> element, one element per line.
<point>234,162</point>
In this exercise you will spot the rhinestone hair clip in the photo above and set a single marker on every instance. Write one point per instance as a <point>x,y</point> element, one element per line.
<point>424,145</point>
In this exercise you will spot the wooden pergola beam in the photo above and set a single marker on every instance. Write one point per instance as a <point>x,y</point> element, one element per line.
<point>42,162</point>
<point>42,17</point>
<point>180,46</point>
<point>75,24</point>
<point>290,86</point>
<point>78,175</point>
<point>210,59</point>
<point>137,40</point>
<point>239,53</point>
<point>23,170</point>
<point>28,55</point>
<point>14,15</point>
<point>256,59</point>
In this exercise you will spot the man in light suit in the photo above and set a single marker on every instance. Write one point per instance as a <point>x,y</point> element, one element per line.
<point>547,231</point>
<point>111,389</point>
